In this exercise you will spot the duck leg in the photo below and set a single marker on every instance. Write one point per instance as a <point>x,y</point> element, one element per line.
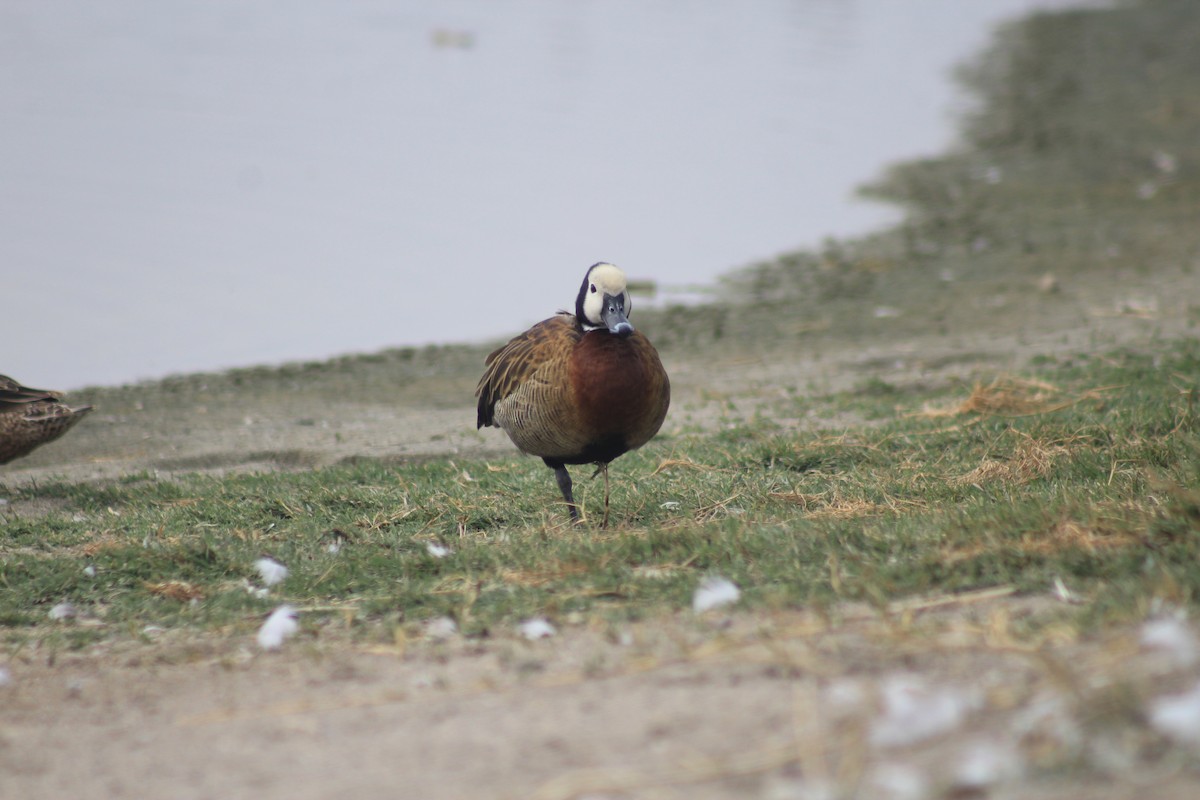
<point>564,485</point>
<point>602,467</point>
<point>604,524</point>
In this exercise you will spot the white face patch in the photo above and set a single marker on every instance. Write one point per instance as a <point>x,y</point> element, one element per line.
<point>603,279</point>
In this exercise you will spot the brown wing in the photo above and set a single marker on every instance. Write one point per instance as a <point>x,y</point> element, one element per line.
<point>35,424</point>
<point>537,355</point>
<point>13,395</point>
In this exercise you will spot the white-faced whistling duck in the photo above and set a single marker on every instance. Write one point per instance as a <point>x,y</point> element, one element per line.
<point>31,417</point>
<point>578,388</point>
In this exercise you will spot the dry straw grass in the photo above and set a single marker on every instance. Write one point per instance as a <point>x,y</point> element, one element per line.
<point>686,463</point>
<point>1032,460</point>
<point>181,591</point>
<point>1011,396</point>
<point>553,573</point>
<point>104,540</point>
<point>1008,396</point>
<point>826,505</point>
<point>1064,536</point>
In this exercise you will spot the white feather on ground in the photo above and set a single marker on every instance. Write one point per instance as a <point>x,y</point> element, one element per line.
<point>984,763</point>
<point>1171,635</point>
<point>714,592</point>
<point>1178,715</point>
<point>272,571</point>
<point>278,627</point>
<point>440,629</point>
<point>64,611</point>
<point>438,550</point>
<point>912,711</point>
<point>537,628</point>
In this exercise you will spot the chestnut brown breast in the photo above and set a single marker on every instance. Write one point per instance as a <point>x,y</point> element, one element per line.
<point>620,391</point>
<point>574,397</point>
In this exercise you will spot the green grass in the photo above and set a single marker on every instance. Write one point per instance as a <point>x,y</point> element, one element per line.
<point>1095,482</point>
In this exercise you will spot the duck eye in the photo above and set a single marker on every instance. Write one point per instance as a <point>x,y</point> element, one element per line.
<point>593,288</point>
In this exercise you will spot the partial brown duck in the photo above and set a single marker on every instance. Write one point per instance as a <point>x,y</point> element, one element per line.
<point>31,417</point>
<point>578,388</point>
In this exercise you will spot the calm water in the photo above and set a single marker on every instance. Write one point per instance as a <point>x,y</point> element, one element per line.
<point>196,185</point>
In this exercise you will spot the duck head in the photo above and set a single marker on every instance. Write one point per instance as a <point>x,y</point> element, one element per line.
<point>603,302</point>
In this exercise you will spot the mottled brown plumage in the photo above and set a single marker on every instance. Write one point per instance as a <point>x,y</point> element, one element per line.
<point>578,388</point>
<point>31,417</point>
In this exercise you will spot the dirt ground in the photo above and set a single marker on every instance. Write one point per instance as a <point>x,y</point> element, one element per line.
<point>732,707</point>
<point>769,705</point>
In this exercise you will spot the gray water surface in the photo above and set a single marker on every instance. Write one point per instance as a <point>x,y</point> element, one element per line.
<point>197,185</point>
